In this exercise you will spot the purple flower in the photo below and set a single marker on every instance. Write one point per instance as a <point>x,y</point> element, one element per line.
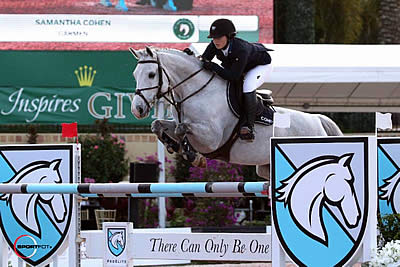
<point>147,203</point>
<point>232,172</point>
<point>89,180</point>
<point>171,169</point>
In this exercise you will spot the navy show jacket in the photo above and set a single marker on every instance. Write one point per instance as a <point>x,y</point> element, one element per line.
<point>242,57</point>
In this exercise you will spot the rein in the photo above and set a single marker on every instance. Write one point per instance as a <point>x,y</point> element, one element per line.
<point>177,104</point>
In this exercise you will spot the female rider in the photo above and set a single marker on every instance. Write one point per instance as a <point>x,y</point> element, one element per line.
<point>238,57</point>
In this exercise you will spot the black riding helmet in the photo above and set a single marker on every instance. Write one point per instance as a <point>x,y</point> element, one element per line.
<point>222,27</point>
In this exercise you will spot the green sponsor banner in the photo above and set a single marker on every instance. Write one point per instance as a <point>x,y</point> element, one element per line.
<point>65,68</point>
<point>55,105</point>
<point>67,86</point>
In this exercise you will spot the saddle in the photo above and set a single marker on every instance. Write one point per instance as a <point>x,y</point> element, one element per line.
<point>264,116</point>
<point>265,111</point>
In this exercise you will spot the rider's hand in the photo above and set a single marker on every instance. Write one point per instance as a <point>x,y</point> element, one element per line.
<point>208,65</point>
<point>188,51</point>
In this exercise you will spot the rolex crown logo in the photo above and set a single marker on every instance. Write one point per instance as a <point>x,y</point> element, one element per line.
<point>85,75</point>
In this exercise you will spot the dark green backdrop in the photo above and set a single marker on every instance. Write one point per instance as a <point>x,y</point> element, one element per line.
<point>42,87</point>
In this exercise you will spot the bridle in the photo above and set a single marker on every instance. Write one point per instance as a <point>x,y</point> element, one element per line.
<point>177,104</point>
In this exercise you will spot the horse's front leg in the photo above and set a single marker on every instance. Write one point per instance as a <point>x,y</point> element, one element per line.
<point>165,131</point>
<point>182,129</point>
<point>203,137</point>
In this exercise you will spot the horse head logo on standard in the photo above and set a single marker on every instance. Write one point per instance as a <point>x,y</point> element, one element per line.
<point>334,185</point>
<point>35,224</point>
<point>116,240</point>
<point>319,199</point>
<point>24,206</point>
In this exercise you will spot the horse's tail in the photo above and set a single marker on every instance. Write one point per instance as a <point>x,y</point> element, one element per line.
<point>330,126</point>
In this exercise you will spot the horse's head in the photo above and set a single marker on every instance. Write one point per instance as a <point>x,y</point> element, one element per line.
<point>151,81</point>
<point>164,73</point>
<point>339,191</point>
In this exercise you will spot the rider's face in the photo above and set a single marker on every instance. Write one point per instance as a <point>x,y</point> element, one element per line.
<point>220,42</point>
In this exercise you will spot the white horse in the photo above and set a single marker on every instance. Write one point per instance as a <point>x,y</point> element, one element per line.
<point>201,111</point>
<point>24,206</point>
<point>390,191</point>
<point>321,181</point>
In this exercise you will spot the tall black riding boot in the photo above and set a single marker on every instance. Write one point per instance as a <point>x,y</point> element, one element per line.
<point>250,107</point>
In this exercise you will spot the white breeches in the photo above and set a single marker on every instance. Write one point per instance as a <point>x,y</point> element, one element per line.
<point>255,77</point>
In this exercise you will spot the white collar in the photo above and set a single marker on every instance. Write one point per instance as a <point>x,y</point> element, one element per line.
<point>226,50</point>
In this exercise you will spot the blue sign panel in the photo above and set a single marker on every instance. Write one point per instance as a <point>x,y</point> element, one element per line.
<point>320,198</point>
<point>35,225</point>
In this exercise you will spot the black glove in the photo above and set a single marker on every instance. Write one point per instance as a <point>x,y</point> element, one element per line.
<point>208,65</point>
<point>188,51</point>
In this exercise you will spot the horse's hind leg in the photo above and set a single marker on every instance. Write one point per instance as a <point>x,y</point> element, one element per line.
<point>263,171</point>
<point>165,131</point>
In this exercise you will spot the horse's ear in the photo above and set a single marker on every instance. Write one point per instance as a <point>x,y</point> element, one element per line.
<point>55,164</point>
<point>346,159</point>
<point>134,53</point>
<point>149,51</point>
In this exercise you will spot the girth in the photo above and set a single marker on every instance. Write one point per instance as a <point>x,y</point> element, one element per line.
<point>223,153</point>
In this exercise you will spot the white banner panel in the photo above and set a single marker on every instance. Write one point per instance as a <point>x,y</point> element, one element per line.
<point>203,246</point>
<point>98,28</point>
<point>178,244</point>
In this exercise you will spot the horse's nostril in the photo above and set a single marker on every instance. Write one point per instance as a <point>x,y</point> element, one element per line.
<point>140,109</point>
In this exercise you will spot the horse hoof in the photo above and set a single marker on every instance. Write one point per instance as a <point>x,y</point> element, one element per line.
<point>170,149</point>
<point>200,161</point>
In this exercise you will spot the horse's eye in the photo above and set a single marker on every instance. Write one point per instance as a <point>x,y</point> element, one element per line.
<point>152,75</point>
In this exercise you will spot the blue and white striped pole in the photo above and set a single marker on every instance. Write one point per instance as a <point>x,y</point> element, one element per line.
<point>212,188</point>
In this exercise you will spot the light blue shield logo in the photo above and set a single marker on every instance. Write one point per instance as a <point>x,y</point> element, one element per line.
<point>320,198</point>
<point>35,225</point>
<point>116,240</point>
<point>389,175</point>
